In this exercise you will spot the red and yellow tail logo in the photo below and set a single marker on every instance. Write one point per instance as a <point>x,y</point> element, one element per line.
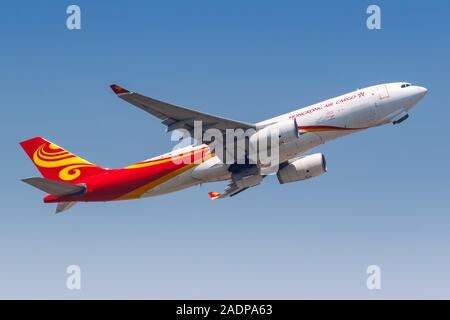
<point>56,163</point>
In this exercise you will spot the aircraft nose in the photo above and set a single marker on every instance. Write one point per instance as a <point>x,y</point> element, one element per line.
<point>422,91</point>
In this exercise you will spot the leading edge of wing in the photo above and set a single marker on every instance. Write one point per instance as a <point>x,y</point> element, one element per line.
<point>171,114</point>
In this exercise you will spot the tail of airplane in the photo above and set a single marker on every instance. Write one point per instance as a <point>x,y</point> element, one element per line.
<point>62,171</point>
<point>57,164</point>
<point>58,189</point>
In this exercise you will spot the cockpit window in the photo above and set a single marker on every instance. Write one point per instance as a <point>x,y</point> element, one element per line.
<point>406,85</point>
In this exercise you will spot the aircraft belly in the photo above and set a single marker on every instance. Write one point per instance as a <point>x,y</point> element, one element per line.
<point>212,169</point>
<point>331,135</point>
<point>182,181</point>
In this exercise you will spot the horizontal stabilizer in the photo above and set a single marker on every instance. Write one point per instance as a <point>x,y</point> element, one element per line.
<point>55,187</point>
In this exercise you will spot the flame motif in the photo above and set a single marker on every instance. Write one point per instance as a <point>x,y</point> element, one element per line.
<point>56,157</point>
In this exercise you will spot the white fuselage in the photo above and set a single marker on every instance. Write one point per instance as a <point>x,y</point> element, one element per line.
<point>317,123</point>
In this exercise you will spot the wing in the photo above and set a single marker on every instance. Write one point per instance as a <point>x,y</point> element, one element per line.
<point>175,117</point>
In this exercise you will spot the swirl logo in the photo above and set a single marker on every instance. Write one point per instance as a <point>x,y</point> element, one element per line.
<point>52,156</point>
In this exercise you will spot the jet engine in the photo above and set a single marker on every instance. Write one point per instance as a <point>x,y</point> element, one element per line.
<point>304,168</point>
<point>287,131</point>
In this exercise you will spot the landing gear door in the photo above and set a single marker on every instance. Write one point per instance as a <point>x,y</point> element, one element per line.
<point>383,92</point>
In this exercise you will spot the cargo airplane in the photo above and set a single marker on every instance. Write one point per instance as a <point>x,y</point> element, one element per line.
<point>68,179</point>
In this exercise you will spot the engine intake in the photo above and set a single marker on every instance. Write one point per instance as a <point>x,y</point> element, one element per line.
<point>301,169</point>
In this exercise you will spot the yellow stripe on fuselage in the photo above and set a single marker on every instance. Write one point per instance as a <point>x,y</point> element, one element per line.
<point>156,162</point>
<point>137,193</point>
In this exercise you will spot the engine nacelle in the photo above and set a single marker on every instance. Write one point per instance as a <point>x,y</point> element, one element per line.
<point>301,169</point>
<point>287,131</point>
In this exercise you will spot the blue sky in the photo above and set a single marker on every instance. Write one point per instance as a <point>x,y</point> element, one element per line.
<point>384,200</point>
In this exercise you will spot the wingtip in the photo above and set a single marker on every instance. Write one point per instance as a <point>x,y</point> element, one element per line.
<point>214,195</point>
<point>118,89</point>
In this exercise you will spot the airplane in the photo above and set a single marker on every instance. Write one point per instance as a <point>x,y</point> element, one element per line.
<point>68,179</point>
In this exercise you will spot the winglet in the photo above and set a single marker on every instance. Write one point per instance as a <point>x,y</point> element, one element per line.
<point>118,89</point>
<point>214,195</point>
